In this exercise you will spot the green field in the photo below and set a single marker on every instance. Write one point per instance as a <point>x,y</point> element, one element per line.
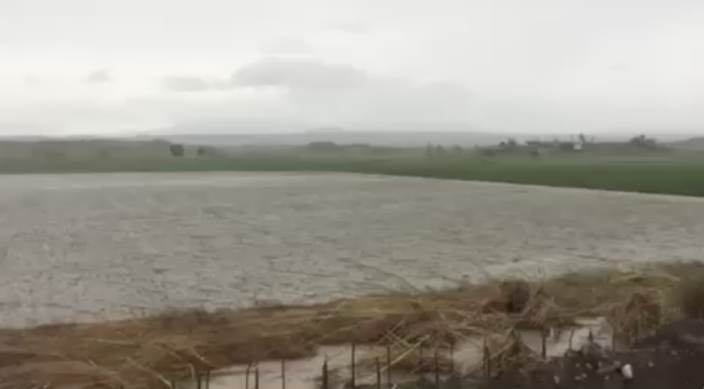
<point>680,177</point>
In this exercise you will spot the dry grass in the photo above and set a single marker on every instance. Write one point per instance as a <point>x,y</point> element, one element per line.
<point>150,352</point>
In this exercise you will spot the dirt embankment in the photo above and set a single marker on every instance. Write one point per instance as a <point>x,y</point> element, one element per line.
<point>155,351</point>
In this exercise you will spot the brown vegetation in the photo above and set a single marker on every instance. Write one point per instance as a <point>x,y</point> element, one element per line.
<point>153,351</point>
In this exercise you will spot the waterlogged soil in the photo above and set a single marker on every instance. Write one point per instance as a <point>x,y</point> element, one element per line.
<point>467,360</point>
<point>93,247</point>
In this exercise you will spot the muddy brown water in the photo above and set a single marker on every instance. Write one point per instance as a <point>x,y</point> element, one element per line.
<point>93,247</point>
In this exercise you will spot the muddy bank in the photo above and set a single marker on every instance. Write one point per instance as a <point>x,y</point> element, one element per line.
<point>466,357</point>
<point>580,357</point>
<point>671,358</point>
<point>651,369</point>
<point>411,333</point>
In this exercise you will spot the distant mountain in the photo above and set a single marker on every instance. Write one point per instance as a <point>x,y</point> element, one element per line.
<point>381,138</point>
<point>237,126</point>
<point>13,129</point>
<point>288,132</point>
<point>270,132</point>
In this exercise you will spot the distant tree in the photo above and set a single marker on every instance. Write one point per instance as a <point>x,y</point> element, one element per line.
<point>204,151</point>
<point>582,139</point>
<point>457,149</point>
<point>177,150</point>
<point>637,140</point>
<point>489,151</point>
<point>643,141</point>
<point>566,146</point>
<point>511,143</point>
<point>323,146</point>
<point>429,150</point>
<point>439,150</point>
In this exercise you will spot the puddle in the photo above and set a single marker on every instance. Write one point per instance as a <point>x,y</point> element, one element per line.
<point>302,374</point>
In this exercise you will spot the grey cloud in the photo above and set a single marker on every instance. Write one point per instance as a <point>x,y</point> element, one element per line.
<point>33,79</point>
<point>289,45</point>
<point>188,84</point>
<point>341,94</point>
<point>388,101</point>
<point>99,77</point>
<point>299,73</point>
<point>332,92</point>
<point>350,27</point>
<point>336,92</point>
<point>530,65</point>
<point>276,72</point>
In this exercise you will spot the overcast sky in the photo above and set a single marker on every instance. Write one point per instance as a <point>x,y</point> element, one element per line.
<point>513,65</point>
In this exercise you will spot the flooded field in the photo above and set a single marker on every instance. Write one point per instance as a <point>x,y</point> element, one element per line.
<point>94,247</point>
